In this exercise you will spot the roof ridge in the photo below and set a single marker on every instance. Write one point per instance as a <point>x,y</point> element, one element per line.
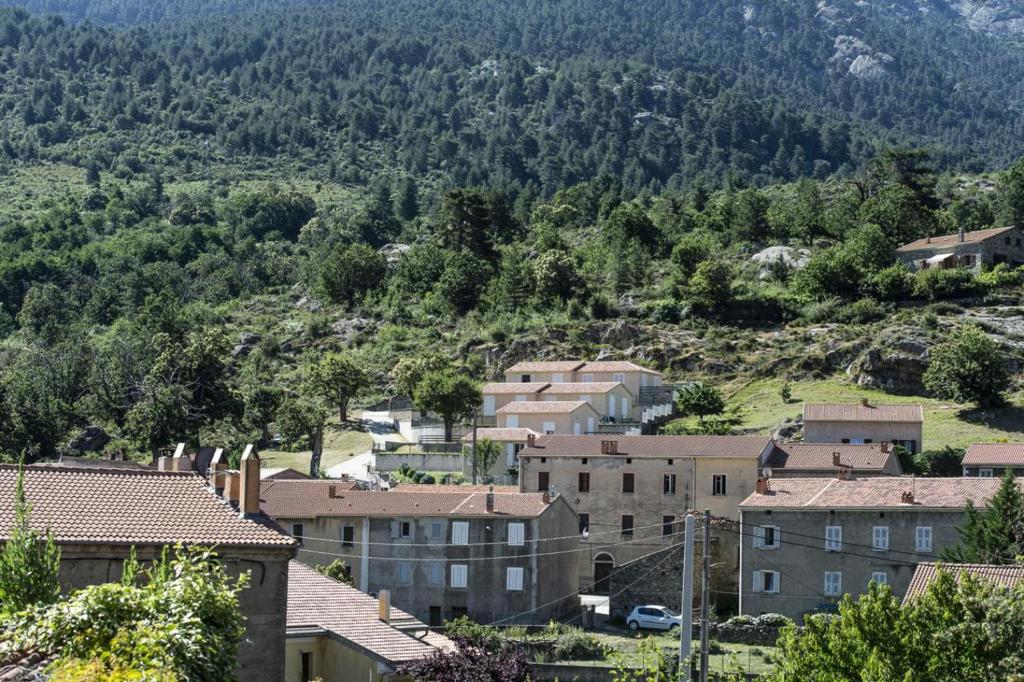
<point>43,467</point>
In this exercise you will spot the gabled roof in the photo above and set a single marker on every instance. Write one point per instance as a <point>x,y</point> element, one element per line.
<point>616,366</point>
<point>582,388</point>
<point>925,574</point>
<point>858,412</point>
<point>994,454</point>
<point>129,507</point>
<point>546,366</point>
<point>542,407</point>
<point>881,492</point>
<point>514,388</point>
<point>316,601</point>
<point>648,446</point>
<point>950,240</point>
<point>818,456</point>
<point>503,435</point>
<point>297,500</point>
<point>279,473</point>
<point>441,488</point>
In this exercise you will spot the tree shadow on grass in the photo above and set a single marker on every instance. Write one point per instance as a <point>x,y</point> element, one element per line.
<point>1009,418</point>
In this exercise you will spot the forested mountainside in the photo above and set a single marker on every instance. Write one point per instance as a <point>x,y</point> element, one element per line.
<point>198,206</point>
<point>515,94</point>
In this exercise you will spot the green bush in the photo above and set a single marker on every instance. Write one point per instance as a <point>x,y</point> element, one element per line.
<point>769,620</point>
<point>862,312</point>
<point>573,644</point>
<point>1001,276</point>
<point>741,621</point>
<point>894,283</point>
<point>934,284</point>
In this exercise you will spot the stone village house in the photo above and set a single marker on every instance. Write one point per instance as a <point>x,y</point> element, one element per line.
<point>807,541</point>
<point>993,459</point>
<point>864,422</point>
<point>442,552</point>
<point>973,249</point>
<point>97,515</point>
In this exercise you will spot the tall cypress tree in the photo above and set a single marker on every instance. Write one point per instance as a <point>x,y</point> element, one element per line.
<point>29,561</point>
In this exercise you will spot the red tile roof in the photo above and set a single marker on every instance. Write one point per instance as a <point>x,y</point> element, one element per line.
<point>950,240</point>
<point>818,456</point>
<point>616,366</point>
<point>581,388</point>
<point>649,446</point>
<point>546,366</point>
<point>500,434</point>
<point>857,412</point>
<point>293,500</point>
<point>883,492</point>
<point>512,387</point>
<point>542,407</point>
<point>314,600</point>
<point>925,574</point>
<point>127,506</point>
<point>440,488</point>
<point>995,454</point>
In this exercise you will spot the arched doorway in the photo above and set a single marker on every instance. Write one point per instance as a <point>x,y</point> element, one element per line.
<point>603,565</point>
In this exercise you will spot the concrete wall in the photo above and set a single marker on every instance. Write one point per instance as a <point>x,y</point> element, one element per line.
<point>803,561</point>
<point>487,556</point>
<point>393,461</point>
<point>263,603</point>
<point>876,432</point>
<point>333,661</point>
<point>503,399</point>
<point>634,381</point>
<point>580,420</point>
<point>740,476</point>
<point>601,402</point>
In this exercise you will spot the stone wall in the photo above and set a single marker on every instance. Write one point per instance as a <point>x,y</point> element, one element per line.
<point>744,634</point>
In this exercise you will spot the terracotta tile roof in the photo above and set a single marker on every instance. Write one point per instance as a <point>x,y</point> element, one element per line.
<point>500,434</point>
<point>857,412</point>
<point>298,501</point>
<point>649,446</point>
<point>130,507</point>
<point>441,488</point>
<point>279,473</point>
<point>314,600</point>
<point>950,240</point>
<point>582,388</point>
<point>616,366</point>
<point>818,456</point>
<point>925,574</point>
<point>995,454</point>
<point>514,388</point>
<point>542,407</point>
<point>883,492</point>
<point>546,366</point>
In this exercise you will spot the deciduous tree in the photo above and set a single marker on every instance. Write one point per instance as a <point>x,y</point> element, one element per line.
<point>968,367</point>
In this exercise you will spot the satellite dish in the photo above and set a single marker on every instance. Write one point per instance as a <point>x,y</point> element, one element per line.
<point>766,472</point>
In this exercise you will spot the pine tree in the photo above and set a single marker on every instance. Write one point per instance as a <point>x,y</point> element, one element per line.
<point>994,535</point>
<point>29,561</point>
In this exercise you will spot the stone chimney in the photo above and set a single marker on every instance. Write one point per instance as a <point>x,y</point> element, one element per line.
<point>845,473</point>
<point>163,463</point>
<point>907,497</point>
<point>181,461</point>
<point>218,465</point>
<point>547,497</point>
<point>249,488</point>
<point>531,440</point>
<point>885,447</point>
<point>835,459</point>
<point>490,499</point>
<point>332,491</point>
<point>960,235</point>
<point>231,484</point>
<point>609,447</point>
<point>761,487</point>
<point>384,606</point>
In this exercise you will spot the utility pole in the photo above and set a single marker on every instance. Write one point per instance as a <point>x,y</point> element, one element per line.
<point>686,609</point>
<point>705,594</point>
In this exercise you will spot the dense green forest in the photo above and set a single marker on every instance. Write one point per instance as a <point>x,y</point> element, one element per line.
<point>198,211</point>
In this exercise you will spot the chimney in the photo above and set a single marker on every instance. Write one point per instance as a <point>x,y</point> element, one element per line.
<point>885,447</point>
<point>864,402</point>
<point>231,481</point>
<point>609,447</point>
<point>490,499</point>
<point>531,440</point>
<point>249,493</point>
<point>960,234</point>
<point>384,606</point>
<point>907,497</point>
<point>547,497</point>
<point>332,491</point>
<point>163,463</point>
<point>845,473</point>
<point>181,461</point>
<point>835,459</point>
<point>218,465</point>
<point>761,487</point>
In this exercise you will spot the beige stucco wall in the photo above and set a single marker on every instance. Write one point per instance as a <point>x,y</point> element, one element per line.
<point>333,661</point>
<point>552,377</point>
<point>600,401</point>
<point>564,423</point>
<point>741,475</point>
<point>264,602</point>
<point>876,432</point>
<point>503,399</point>
<point>631,380</point>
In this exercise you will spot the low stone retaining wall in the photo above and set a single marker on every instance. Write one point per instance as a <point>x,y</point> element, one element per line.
<point>744,634</point>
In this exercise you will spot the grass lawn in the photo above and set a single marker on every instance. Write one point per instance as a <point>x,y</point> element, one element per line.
<point>761,409</point>
<point>340,443</point>
<point>731,658</point>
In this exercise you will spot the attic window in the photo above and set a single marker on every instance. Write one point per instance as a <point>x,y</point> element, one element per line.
<point>543,460</point>
<point>670,462</point>
<point>629,460</point>
<point>583,460</point>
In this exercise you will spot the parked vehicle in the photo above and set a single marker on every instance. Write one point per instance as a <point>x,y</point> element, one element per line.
<point>653,618</point>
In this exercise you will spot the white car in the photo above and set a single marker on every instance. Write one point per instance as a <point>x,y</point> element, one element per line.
<point>653,618</point>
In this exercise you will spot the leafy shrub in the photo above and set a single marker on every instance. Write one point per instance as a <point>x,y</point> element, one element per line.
<point>769,620</point>
<point>822,311</point>
<point>573,644</point>
<point>715,648</point>
<point>741,621</point>
<point>465,629</point>
<point>1001,276</point>
<point>894,283</point>
<point>862,312</point>
<point>934,283</point>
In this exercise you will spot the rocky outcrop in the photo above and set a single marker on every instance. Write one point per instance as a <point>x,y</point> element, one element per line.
<point>774,256</point>
<point>894,365</point>
<point>789,429</point>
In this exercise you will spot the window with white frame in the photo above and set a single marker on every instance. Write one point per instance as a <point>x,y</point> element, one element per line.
<point>437,530</point>
<point>766,537</point>
<point>924,539</point>
<point>880,577</point>
<point>833,583</point>
<point>516,533</point>
<point>405,573</point>
<point>985,473</point>
<point>766,581</point>
<point>460,532</point>
<point>718,484</point>
<point>514,579</point>
<point>669,484</point>
<point>401,529</point>
<point>435,573</point>
<point>833,538</point>
<point>880,538</point>
<point>460,575</point>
